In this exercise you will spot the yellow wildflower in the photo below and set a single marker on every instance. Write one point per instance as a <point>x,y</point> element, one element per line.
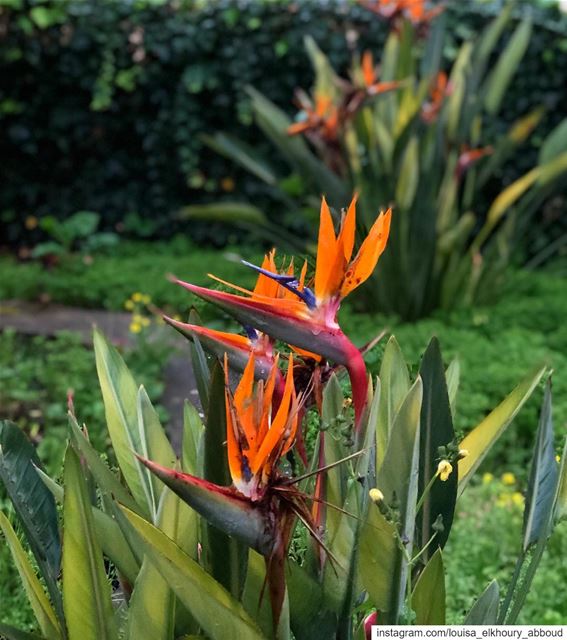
<point>129,305</point>
<point>487,478</point>
<point>227,184</point>
<point>135,327</point>
<point>444,470</point>
<point>517,499</point>
<point>508,479</point>
<point>137,297</point>
<point>145,322</point>
<point>145,299</point>
<point>31,222</point>
<point>558,458</point>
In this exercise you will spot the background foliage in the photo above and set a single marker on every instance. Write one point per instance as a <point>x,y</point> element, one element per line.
<point>131,86</point>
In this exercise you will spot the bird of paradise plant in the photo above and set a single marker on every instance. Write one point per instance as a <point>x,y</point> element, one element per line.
<point>306,317</point>
<point>197,541</point>
<point>417,139</point>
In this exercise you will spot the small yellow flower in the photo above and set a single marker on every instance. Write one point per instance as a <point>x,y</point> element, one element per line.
<point>463,453</point>
<point>137,297</point>
<point>376,495</point>
<point>558,458</point>
<point>444,470</point>
<point>487,478</point>
<point>145,299</point>
<point>503,500</point>
<point>129,305</point>
<point>517,498</point>
<point>31,223</point>
<point>145,322</point>
<point>227,184</point>
<point>508,479</point>
<point>135,327</point>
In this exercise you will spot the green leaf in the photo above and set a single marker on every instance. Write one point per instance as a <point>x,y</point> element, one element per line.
<point>542,482</point>
<point>112,540</point>
<point>485,609</point>
<point>132,424</point>
<point>108,483</point>
<point>311,618</point>
<point>225,556</point>
<point>398,480</point>
<point>378,559</point>
<point>436,430</point>
<point>153,440</point>
<point>490,36</point>
<point>325,76</point>
<point>86,589</point>
<point>395,384</point>
<point>201,370</point>
<point>9,633</point>
<point>453,375</point>
<point>220,615</point>
<point>560,510</point>
<point>230,212</point>
<point>554,144</point>
<point>428,597</point>
<point>408,175</point>
<point>507,65</point>
<point>259,607</point>
<point>33,504</point>
<point>193,433</point>
<point>242,154</point>
<point>151,611</point>
<point>394,478</point>
<point>41,607</point>
<point>479,441</point>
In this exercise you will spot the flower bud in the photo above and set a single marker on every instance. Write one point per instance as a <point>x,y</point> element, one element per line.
<point>376,496</point>
<point>444,470</point>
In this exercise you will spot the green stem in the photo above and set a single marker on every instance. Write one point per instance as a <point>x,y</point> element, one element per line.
<point>423,550</point>
<point>424,494</point>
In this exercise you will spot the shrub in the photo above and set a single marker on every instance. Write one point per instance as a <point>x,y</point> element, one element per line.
<point>103,102</point>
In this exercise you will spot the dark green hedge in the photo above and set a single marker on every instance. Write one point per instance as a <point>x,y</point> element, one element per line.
<point>102,102</point>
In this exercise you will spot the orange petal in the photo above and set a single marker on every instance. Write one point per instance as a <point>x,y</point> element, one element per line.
<point>266,286</point>
<point>267,401</point>
<point>367,67</point>
<point>363,265</point>
<point>276,430</point>
<point>299,127</point>
<point>244,404</point>
<point>325,250</point>
<point>383,87</point>
<point>233,449</point>
<point>306,354</point>
<point>343,251</point>
<point>348,229</point>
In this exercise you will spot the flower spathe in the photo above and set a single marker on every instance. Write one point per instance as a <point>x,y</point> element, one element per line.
<point>256,439</point>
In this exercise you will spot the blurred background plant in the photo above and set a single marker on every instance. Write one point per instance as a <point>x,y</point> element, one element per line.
<point>414,136</point>
<point>103,104</point>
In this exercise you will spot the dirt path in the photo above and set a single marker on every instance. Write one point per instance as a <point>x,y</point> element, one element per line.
<point>48,320</point>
